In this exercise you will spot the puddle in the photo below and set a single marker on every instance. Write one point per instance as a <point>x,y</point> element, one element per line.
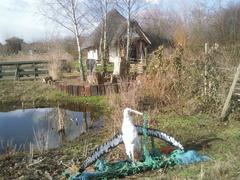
<point>43,128</point>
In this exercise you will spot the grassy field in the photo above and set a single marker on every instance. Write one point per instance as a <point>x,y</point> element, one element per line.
<point>34,93</point>
<point>208,135</point>
<point>220,141</point>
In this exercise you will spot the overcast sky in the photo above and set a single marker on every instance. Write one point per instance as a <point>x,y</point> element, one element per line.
<point>21,18</point>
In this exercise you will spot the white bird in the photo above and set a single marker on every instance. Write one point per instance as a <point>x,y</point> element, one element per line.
<point>130,133</point>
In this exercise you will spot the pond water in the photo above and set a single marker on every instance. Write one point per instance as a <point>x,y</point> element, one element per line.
<point>43,128</point>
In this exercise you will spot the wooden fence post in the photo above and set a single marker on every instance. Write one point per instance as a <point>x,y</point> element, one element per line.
<point>227,102</point>
<point>0,71</point>
<point>35,70</point>
<point>205,69</point>
<point>17,72</point>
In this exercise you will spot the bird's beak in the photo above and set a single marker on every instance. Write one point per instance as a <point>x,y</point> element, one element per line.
<point>136,112</point>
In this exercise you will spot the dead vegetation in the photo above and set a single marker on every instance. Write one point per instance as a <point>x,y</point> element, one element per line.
<point>178,81</point>
<point>185,102</point>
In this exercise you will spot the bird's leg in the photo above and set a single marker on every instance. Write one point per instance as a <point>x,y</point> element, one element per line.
<point>129,155</point>
<point>132,157</point>
<point>132,153</point>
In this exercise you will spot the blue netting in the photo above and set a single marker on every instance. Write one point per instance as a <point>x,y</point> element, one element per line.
<point>189,157</point>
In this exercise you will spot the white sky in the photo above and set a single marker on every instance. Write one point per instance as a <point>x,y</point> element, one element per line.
<point>20,18</point>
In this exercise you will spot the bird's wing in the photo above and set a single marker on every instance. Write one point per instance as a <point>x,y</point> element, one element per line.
<point>117,139</point>
<point>101,150</point>
<point>161,135</point>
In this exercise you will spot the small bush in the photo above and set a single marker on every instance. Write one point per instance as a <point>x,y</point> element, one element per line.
<point>99,68</point>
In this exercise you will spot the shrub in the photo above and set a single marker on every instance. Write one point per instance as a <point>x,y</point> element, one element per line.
<point>176,80</point>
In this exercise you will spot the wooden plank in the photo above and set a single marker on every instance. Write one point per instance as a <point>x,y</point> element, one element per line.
<point>17,72</point>
<point>13,68</point>
<point>227,102</point>
<point>22,62</point>
<point>94,90</point>
<point>30,77</point>
<point>2,74</point>
<point>6,78</point>
<point>101,90</point>
<point>237,88</point>
<point>18,69</point>
<point>8,68</point>
<point>82,91</point>
<point>87,91</point>
<point>21,73</point>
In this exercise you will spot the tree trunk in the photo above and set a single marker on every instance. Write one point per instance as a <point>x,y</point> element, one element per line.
<point>127,62</point>
<point>105,39</point>
<point>81,67</point>
<point>100,47</point>
<point>128,37</point>
<point>77,36</point>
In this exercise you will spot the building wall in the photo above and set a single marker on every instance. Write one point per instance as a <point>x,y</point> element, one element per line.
<point>114,57</point>
<point>92,54</point>
<point>116,67</point>
<point>113,54</point>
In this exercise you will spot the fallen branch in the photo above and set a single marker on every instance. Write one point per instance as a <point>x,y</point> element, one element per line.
<point>36,162</point>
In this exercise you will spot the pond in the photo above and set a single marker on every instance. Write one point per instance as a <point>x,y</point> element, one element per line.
<point>43,128</point>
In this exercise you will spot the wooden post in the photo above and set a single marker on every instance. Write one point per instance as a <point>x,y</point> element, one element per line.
<point>227,102</point>
<point>34,66</point>
<point>145,55</point>
<point>0,71</point>
<point>17,72</point>
<point>141,51</point>
<point>61,123</point>
<point>85,120</point>
<point>205,69</point>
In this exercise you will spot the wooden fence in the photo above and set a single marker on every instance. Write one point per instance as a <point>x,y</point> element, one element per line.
<point>93,90</point>
<point>23,69</point>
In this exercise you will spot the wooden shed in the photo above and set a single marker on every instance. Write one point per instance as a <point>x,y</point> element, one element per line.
<point>117,41</point>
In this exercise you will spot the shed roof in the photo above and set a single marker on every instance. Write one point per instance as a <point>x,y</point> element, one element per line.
<point>116,26</point>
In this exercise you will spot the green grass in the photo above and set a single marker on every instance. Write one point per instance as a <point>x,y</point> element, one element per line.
<point>207,135</point>
<point>35,93</point>
<point>99,68</point>
<point>220,141</point>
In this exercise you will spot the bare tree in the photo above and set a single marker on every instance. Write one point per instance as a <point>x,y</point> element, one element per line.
<point>130,8</point>
<point>99,10</point>
<point>225,24</point>
<point>70,15</point>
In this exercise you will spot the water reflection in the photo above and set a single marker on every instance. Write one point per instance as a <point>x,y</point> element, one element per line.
<point>43,127</point>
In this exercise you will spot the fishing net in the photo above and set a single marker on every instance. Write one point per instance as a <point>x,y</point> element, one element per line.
<point>153,159</point>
